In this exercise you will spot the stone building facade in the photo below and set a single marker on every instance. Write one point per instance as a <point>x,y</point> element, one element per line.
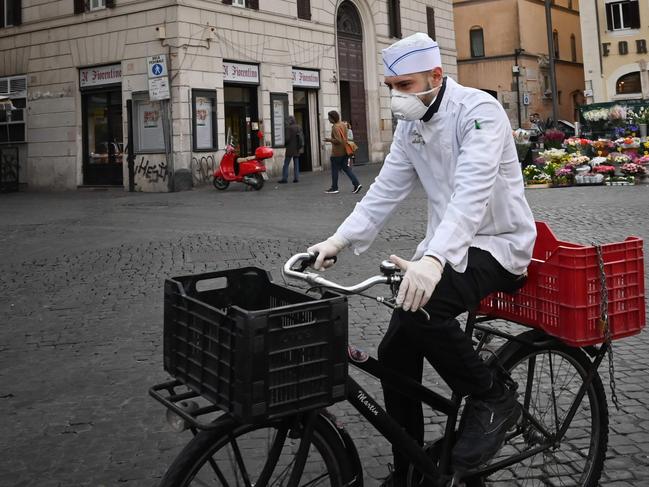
<point>616,36</point>
<point>502,47</point>
<point>234,70</point>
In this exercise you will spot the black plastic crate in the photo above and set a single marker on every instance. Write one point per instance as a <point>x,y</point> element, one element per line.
<point>254,348</point>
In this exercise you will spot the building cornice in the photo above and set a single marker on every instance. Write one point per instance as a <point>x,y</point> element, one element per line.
<point>511,56</point>
<point>538,2</point>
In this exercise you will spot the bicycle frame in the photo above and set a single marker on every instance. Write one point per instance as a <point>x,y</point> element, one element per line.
<point>392,431</point>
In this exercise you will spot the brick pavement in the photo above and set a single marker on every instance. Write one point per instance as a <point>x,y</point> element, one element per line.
<point>81,311</point>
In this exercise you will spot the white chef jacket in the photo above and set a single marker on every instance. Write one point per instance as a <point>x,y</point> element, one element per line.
<point>466,160</point>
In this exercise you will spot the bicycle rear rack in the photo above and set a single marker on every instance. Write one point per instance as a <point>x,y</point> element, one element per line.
<point>171,399</point>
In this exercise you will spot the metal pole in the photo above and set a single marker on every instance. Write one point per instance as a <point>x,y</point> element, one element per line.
<point>553,78</point>
<point>517,74</point>
<point>130,157</point>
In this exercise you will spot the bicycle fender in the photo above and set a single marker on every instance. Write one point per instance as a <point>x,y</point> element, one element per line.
<point>347,444</point>
<point>531,338</point>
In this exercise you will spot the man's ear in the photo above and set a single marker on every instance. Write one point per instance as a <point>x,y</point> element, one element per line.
<point>436,75</point>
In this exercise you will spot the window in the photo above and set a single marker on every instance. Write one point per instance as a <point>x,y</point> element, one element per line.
<point>12,122</point>
<point>81,6</point>
<point>573,48</point>
<point>555,43</point>
<point>252,4</point>
<point>394,18</point>
<point>629,83</point>
<point>304,9</point>
<point>10,13</point>
<point>623,15</point>
<point>430,21</point>
<point>477,42</point>
<point>204,120</point>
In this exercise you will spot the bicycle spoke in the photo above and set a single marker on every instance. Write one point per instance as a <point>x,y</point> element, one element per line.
<point>240,463</point>
<point>218,472</point>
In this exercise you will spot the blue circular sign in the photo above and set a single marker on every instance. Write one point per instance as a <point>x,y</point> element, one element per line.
<point>156,69</point>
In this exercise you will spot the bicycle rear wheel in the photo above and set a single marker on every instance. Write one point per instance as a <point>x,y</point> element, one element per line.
<point>249,455</point>
<point>548,382</point>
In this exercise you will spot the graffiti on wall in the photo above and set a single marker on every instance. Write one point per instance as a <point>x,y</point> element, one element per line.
<point>203,168</point>
<point>9,169</point>
<point>152,172</point>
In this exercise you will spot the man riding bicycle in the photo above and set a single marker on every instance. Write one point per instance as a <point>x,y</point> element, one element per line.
<point>457,142</point>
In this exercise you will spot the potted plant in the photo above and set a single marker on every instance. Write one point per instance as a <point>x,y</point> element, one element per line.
<point>553,138</point>
<point>641,117</point>
<point>632,169</point>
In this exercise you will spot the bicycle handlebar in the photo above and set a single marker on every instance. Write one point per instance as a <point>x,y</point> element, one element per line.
<point>316,279</point>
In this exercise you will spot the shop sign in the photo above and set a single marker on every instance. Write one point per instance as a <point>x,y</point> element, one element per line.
<point>100,75</point>
<point>623,47</point>
<point>306,78</point>
<point>240,72</point>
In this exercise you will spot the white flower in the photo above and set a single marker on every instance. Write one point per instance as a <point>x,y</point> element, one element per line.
<point>596,115</point>
<point>596,161</point>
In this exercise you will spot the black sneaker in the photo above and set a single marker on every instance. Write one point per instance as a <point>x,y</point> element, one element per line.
<point>485,423</point>
<point>331,191</point>
<point>357,188</point>
<point>282,181</point>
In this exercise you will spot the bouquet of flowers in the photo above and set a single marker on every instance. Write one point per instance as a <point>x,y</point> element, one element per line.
<point>552,155</point>
<point>640,115</point>
<point>564,176</point>
<point>617,113</point>
<point>596,161</point>
<point>577,160</point>
<point>597,115</point>
<point>604,169</point>
<point>576,144</point>
<point>618,158</point>
<point>644,160</point>
<point>632,169</point>
<point>533,175</point>
<point>553,138</point>
<point>602,146</point>
<point>521,136</point>
<point>628,142</point>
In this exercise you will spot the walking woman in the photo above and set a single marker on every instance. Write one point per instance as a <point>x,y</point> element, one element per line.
<point>339,157</point>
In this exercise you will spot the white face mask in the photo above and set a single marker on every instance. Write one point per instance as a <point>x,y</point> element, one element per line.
<point>408,106</point>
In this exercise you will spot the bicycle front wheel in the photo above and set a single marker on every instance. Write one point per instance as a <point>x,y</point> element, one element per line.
<point>548,382</point>
<point>260,454</point>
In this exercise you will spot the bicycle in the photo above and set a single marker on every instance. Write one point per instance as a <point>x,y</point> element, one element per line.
<point>560,439</point>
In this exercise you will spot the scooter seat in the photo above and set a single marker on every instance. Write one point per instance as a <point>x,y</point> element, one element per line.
<point>246,159</point>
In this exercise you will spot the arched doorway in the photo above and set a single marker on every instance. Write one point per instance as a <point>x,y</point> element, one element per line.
<point>351,76</point>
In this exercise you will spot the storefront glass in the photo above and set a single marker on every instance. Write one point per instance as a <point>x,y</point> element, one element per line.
<point>103,141</point>
<point>241,119</point>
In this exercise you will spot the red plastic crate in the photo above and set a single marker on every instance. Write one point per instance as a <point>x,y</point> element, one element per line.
<point>562,293</point>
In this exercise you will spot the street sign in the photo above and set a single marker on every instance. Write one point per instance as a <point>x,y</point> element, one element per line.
<point>157,66</point>
<point>526,98</point>
<point>159,89</point>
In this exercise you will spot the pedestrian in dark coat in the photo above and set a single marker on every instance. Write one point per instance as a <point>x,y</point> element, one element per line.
<point>294,147</point>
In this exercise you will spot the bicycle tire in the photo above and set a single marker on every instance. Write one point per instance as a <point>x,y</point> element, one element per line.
<point>188,469</point>
<point>546,405</point>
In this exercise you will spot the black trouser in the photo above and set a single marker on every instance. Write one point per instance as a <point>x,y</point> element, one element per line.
<point>410,338</point>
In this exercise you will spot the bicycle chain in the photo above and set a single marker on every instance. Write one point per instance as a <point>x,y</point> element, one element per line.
<point>604,323</point>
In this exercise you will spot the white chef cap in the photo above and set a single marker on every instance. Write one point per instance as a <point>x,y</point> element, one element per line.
<point>412,54</point>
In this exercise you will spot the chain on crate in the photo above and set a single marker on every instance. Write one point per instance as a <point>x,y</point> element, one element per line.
<point>604,324</point>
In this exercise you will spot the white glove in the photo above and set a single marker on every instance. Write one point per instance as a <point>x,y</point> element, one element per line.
<point>419,281</point>
<point>327,250</point>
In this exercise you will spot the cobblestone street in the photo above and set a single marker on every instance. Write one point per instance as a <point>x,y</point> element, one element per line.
<point>81,312</point>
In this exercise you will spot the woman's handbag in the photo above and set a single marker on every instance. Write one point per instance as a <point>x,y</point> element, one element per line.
<point>351,147</point>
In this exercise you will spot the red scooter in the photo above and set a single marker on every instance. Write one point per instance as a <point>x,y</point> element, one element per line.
<point>249,170</point>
